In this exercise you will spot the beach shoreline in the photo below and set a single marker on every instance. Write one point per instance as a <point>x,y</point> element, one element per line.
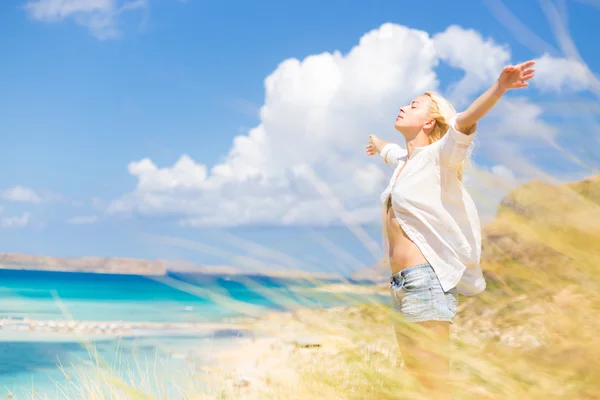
<point>116,328</point>
<point>64,330</point>
<point>316,352</point>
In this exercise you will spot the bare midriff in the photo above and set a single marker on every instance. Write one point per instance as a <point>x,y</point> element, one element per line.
<point>403,251</point>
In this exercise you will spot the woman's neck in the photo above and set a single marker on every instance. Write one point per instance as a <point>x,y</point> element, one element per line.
<point>421,140</point>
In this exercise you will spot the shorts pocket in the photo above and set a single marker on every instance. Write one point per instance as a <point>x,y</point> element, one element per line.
<point>417,282</point>
<point>417,306</point>
<point>397,293</point>
<point>452,300</point>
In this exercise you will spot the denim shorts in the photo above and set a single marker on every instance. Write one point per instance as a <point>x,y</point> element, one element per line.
<point>418,295</point>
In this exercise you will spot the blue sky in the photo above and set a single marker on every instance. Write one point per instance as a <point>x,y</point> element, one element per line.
<point>90,87</point>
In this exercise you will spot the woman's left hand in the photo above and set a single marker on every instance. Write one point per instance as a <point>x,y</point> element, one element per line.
<point>516,76</point>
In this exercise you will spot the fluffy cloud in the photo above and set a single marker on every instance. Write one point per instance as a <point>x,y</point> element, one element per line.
<point>13,221</point>
<point>99,16</point>
<point>317,112</point>
<point>503,172</point>
<point>22,195</point>
<point>562,74</point>
<point>480,59</point>
<point>304,162</point>
<point>524,121</point>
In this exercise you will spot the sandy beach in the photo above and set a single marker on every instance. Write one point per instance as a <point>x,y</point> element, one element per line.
<point>351,352</point>
<point>321,353</point>
<point>290,347</point>
<point>72,330</point>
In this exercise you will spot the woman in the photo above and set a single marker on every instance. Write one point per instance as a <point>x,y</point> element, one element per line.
<point>432,231</point>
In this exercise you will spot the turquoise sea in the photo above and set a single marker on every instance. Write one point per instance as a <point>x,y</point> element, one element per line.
<point>43,361</point>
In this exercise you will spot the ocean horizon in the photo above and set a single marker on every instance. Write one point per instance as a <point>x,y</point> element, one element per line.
<point>31,361</point>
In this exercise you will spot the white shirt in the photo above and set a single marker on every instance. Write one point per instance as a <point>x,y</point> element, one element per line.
<point>435,211</point>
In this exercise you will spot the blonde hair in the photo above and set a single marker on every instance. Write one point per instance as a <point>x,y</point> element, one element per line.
<point>442,111</point>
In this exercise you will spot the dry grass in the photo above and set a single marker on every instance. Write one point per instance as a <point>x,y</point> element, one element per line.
<point>532,335</point>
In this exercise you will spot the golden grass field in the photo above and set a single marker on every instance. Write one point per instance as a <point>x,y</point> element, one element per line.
<point>532,335</point>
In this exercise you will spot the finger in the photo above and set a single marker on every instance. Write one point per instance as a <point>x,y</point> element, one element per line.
<point>528,72</point>
<point>508,68</point>
<point>527,77</point>
<point>527,64</point>
<point>522,85</point>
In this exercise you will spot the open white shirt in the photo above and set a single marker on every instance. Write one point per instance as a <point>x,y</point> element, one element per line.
<point>435,211</point>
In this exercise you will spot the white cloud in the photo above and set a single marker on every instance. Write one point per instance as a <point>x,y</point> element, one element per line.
<point>304,162</point>
<point>557,74</point>
<point>99,16</point>
<point>503,172</point>
<point>185,174</point>
<point>318,111</point>
<point>13,221</point>
<point>481,59</point>
<point>22,195</point>
<point>83,219</point>
<point>518,118</point>
<point>556,16</point>
<point>369,178</point>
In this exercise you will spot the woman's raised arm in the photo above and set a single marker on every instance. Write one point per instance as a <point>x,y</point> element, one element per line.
<point>511,77</point>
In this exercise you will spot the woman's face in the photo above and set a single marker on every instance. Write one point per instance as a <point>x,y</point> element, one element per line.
<point>413,116</point>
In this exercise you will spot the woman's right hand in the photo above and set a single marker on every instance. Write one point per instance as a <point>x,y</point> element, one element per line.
<point>374,146</point>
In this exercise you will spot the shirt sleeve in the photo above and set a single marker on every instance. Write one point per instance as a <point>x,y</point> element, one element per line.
<point>392,153</point>
<point>455,145</point>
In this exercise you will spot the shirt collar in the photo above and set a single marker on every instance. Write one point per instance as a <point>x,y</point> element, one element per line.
<point>417,150</point>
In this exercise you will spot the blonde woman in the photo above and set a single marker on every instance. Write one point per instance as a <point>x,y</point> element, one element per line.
<point>432,230</point>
